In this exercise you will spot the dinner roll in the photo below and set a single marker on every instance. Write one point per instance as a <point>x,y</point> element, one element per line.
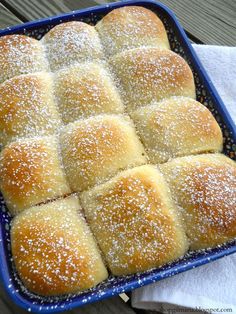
<point>97,148</point>
<point>31,173</point>
<point>84,90</point>
<point>151,74</point>
<point>27,107</point>
<point>204,188</point>
<point>20,54</point>
<point>134,221</point>
<point>72,42</point>
<point>130,27</point>
<point>54,250</point>
<point>177,126</point>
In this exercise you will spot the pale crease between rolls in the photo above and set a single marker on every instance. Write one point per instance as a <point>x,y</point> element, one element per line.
<point>121,65</point>
<point>40,103</point>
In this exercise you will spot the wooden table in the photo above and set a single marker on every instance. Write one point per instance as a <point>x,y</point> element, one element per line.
<point>206,22</point>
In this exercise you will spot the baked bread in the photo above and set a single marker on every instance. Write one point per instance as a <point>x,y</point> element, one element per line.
<point>177,126</point>
<point>72,42</point>
<point>204,188</point>
<point>20,54</point>
<point>134,221</point>
<point>54,250</point>
<point>150,74</point>
<point>84,90</point>
<point>68,131</point>
<point>31,173</point>
<point>131,27</point>
<point>27,107</point>
<point>95,149</point>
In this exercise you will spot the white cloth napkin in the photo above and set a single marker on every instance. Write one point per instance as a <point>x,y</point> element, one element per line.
<point>212,286</point>
<point>220,64</point>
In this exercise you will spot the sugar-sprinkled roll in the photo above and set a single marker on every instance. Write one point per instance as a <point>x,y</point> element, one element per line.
<point>84,90</point>
<point>27,107</point>
<point>20,54</point>
<point>134,221</point>
<point>177,126</point>
<point>31,172</point>
<point>204,188</point>
<point>54,250</point>
<point>151,74</point>
<point>72,42</point>
<point>97,148</point>
<point>130,27</point>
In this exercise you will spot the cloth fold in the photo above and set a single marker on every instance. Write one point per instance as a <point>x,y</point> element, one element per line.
<point>210,288</point>
<point>219,62</point>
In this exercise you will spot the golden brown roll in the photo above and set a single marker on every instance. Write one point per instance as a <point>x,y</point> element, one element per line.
<point>130,27</point>
<point>54,250</point>
<point>150,74</point>
<point>31,173</point>
<point>84,90</point>
<point>204,188</point>
<point>20,54</point>
<point>72,42</point>
<point>27,107</point>
<point>97,148</point>
<point>134,221</point>
<point>177,126</point>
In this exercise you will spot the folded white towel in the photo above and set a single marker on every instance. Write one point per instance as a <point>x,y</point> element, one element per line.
<point>212,287</point>
<point>220,64</point>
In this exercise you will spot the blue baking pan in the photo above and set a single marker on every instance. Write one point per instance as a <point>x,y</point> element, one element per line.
<point>206,94</point>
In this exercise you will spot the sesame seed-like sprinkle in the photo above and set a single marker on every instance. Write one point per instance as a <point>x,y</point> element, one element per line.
<point>72,42</point>
<point>150,74</point>
<point>31,172</point>
<point>85,90</point>
<point>204,188</point>
<point>175,127</point>
<point>20,54</point>
<point>130,27</point>
<point>134,221</point>
<point>96,148</point>
<point>59,259</point>
<point>27,107</point>
<point>65,127</point>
